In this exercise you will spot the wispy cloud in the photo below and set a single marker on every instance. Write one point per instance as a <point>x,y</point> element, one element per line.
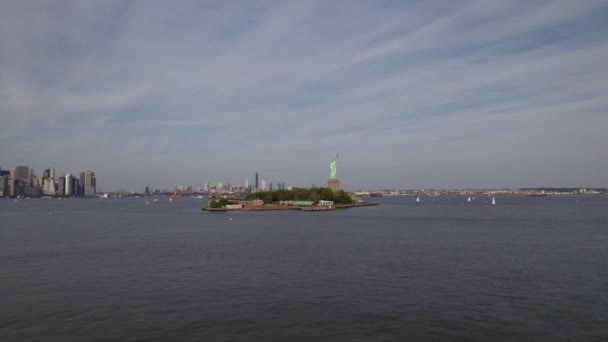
<point>413,94</point>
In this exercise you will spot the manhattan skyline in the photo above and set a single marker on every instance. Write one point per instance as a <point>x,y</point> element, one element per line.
<point>412,94</point>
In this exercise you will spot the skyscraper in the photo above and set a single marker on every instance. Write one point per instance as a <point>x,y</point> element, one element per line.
<point>69,185</point>
<point>22,174</point>
<point>30,176</point>
<point>88,183</point>
<point>61,186</point>
<point>48,174</point>
<point>48,187</point>
<point>257,184</point>
<point>4,186</point>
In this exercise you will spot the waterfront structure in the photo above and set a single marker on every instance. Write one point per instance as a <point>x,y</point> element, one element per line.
<point>69,185</point>
<point>13,188</point>
<point>333,183</point>
<point>22,173</point>
<point>30,177</point>
<point>48,187</point>
<point>88,183</point>
<point>61,186</point>
<point>4,186</point>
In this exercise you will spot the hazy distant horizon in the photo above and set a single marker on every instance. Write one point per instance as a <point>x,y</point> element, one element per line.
<point>412,94</point>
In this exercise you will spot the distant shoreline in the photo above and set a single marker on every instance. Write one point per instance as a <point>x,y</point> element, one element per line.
<point>275,207</point>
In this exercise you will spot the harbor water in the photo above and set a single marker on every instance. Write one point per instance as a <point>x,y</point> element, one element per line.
<point>527,269</point>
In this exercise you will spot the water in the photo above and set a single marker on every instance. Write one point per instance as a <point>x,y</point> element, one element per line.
<point>528,269</point>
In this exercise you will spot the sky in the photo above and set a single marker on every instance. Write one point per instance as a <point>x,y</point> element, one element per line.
<point>412,94</point>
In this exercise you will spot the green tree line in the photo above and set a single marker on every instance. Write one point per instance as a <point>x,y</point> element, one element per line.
<point>218,203</point>
<point>301,194</point>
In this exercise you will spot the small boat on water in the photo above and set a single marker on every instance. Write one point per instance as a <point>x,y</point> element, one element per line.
<point>493,201</point>
<point>175,196</point>
<point>417,199</point>
<point>469,199</point>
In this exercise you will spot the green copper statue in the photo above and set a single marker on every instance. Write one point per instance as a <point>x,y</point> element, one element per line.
<point>332,166</point>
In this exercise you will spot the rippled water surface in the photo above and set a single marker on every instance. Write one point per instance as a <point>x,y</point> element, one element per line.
<point>528,269</point>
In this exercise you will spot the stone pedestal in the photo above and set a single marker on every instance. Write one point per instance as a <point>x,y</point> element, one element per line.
<point>333,184</point>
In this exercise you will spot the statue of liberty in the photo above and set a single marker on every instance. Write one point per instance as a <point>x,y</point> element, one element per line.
<point>332,166</point>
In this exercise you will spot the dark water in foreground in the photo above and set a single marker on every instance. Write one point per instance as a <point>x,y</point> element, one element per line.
<point>528,269</point>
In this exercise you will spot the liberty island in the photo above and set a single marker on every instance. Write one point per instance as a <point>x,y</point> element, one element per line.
<point>313,199</point>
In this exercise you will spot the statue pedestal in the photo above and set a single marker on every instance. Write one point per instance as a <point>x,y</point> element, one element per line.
<point>333,184</point>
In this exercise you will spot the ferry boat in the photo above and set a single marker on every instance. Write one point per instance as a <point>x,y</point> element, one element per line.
<point>175,196</point>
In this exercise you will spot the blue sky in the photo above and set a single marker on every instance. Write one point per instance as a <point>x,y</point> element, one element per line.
<point>412,94</point>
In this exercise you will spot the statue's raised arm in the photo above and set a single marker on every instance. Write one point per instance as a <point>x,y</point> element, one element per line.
<point>333,166</point>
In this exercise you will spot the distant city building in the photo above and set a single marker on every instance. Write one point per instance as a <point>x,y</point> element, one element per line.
<point>88,184</point>
<point>35,182</point>
<point>46,174</point>
<point>4,190</point>
<point>14,188</point>
<point>30,176</point>
<point>270,186</point>
<point>48,187</point>
<point>263,185</point>
<point>257,184</point>
<point>6,173</point>
<point>22,174</point>
<point>69,185</point>
<point>61,186</point>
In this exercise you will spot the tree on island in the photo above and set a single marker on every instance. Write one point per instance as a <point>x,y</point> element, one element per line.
<point>213,204</point>
<point>301,194</point>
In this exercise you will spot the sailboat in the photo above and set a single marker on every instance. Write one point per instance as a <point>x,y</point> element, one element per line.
<point>493,201</point>
<point>417,199</point>
<point>469,199</point>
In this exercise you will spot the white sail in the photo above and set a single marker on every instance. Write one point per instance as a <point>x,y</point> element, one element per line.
<point>469,199</point>
<point>493,201</point>
<point>417,199</point>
